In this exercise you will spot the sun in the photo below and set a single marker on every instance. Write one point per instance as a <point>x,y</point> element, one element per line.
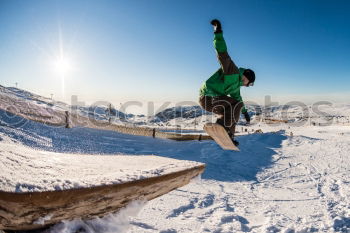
<point>62,65</point>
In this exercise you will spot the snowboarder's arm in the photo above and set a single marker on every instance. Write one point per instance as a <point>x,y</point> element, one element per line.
<point>237,96</point>
<point>227,65</point>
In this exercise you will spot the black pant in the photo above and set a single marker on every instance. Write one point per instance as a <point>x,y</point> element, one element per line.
<point>226,107</point>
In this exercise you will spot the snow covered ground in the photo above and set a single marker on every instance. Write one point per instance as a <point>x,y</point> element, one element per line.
<point>291,178</point>
<point>25,169</point>
<point>277,183</point>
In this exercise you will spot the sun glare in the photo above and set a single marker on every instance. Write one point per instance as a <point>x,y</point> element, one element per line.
<point>62,65</point>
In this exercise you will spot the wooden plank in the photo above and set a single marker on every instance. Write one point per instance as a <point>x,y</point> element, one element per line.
<point>58,119</point>
<point>20,211</point>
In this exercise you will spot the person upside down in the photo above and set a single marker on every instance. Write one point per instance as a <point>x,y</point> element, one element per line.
<point>220,94</point>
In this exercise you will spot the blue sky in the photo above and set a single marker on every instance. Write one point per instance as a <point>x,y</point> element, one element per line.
<point>159,50</point>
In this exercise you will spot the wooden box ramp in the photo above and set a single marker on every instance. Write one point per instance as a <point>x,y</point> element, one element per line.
<point>28,211</point>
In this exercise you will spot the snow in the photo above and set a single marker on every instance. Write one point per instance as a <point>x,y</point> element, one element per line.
<point>119,222</point>
<point>27,170</point>
<point>276,183</point>
<point>304,187</point>
<point>42,220</point>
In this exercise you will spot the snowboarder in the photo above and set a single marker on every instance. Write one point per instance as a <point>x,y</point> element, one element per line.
<point>220,94</point>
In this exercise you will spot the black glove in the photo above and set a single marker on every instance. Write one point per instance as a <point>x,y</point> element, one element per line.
<point>217,26</point>
<point>247,117</point>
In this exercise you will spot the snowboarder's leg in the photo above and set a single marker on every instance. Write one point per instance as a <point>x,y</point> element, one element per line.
<point>232,113</point>
<point>227,108</point>
<point>207,103</point>
<point>212,104</point>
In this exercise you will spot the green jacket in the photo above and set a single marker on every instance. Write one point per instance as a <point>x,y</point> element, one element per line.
<point>228,79</point>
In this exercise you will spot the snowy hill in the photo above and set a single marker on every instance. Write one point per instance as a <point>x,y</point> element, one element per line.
<point>187,112</point>
<point>101,112</point>
<point>32,98</point>
<point>323,113</point>
<point>190,117</point>
<point>98,112</point>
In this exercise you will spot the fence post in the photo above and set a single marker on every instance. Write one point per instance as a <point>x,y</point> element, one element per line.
<point>67,119</point>
<point>200,137</point>
<point>154,133</point>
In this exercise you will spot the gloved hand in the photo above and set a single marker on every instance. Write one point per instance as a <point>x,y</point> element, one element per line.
<point>247,117</point>
<point>217,26</point>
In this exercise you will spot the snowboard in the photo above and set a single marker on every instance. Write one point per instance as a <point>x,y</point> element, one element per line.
<point>220,136</point>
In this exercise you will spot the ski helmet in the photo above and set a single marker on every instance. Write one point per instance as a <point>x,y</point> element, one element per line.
<point>250,75</point>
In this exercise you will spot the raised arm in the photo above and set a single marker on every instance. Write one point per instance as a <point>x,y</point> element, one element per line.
<point>227,65</point>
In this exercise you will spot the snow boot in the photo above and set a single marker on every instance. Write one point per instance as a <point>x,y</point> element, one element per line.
<point>235,142</point>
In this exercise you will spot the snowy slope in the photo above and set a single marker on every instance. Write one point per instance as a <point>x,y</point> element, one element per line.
<point>32,98</point>
<point>28,103</point>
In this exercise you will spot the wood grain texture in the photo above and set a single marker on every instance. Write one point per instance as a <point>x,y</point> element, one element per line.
<point>219,134</point>
<point>20,211</point>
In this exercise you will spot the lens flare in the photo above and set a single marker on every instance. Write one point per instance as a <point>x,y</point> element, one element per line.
<point>62,66</point>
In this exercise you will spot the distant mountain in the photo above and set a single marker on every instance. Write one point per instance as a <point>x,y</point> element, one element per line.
<point>186,112</point>
<point>100,111</point>
<point>292,113</point>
